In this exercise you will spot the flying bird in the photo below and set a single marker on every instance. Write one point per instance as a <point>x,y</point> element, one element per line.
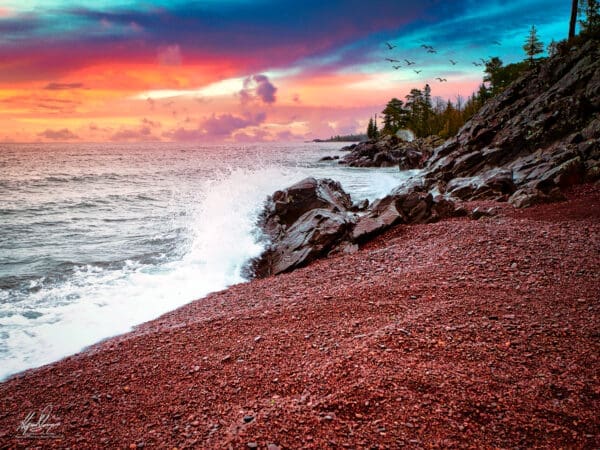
<point>390,46</point>
<point>483,61</point>
<point>431,50</point>
<point>392,60</point>
<point>425,46</point>
<point>497,42</point>
<point>396,67</point>
<point>418,71</point>
<point>441,80</point>
<point>409,63</point>
<point>452,62</point>
<point>477,64</point>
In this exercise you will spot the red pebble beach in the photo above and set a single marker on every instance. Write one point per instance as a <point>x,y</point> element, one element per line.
<point>459,334</point>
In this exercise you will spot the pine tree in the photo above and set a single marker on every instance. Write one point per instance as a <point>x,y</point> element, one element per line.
<point>533,46</point>
<point>370,129</point>
<point>375,129</point>
<point>591,24</point>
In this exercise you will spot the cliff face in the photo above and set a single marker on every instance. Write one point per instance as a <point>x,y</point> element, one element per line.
<point>540,134</point>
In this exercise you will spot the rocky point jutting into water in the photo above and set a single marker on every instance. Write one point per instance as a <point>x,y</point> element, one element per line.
<point>538,137</point>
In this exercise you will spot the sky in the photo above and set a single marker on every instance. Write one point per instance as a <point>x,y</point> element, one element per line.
<point>242,70</point>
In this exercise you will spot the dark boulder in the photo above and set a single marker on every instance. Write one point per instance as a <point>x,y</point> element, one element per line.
<point>302,223</point>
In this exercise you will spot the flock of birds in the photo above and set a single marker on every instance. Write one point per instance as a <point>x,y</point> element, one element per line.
<point>397,64</point>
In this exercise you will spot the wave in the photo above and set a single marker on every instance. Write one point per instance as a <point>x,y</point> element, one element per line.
<point>76,305</point>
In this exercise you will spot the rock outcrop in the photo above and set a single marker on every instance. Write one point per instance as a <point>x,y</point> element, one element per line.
<point>314,218</point>
<point>390,151</point>
<point>540,134</point>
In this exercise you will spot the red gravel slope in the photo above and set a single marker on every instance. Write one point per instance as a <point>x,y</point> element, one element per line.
<point>458,334</point>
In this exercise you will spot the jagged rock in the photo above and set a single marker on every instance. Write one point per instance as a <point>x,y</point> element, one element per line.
<point>523,198</point>
<point>408,208</point>
<point>302,223</point>
<point>313,235</point>
<point>496,184</point>
<point>329,158</point>
<point>544,128</point>
<point>391,151</point>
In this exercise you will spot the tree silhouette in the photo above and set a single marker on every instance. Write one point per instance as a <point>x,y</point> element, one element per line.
<point>573,20</point>
<point>533,46</point>
<point>590,9</point>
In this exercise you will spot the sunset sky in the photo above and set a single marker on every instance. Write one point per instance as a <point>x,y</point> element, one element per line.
<point>241,70</point>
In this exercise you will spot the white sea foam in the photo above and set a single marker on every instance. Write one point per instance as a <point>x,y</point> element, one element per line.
<point>97,303</point>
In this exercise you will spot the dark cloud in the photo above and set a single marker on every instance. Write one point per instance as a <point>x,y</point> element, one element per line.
<point>62,86</point>
<point>258,87</point>
<point>59,135</point>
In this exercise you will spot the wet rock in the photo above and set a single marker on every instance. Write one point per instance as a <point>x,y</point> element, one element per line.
<point>391,151</point>
<point>302,223</point>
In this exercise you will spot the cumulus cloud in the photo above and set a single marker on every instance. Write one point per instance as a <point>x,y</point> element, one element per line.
<point>225,124</point>
<point>62,86</point>
<point>216,127</point>
<point>169,56</point>
<point>258,88</point>
<point>58,135</point>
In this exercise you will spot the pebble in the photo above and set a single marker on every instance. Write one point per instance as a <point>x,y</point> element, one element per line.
<point>252,445</point>
<point>248,419</point>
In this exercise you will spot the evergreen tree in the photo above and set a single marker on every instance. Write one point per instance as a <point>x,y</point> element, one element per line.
<point>395,116</point>
<point>533,46</point>
<point>370,129</point>
<point>493,75</point>
<point>591,24</point>
<point>375,129</point>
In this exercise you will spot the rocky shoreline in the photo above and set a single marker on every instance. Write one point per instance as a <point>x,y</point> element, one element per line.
<point>525,146</point>
<point>456,334</point>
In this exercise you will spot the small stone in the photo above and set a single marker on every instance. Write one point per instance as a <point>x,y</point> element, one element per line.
<point>328,417</point>
<point>226,358</point>
<point>252,445</point>
<point>248,419</point>
<point>258,338</point>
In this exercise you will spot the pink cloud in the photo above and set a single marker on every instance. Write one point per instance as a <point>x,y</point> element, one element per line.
<point>258,87</point>
<point>58,135</point>
<point>225,124</point>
